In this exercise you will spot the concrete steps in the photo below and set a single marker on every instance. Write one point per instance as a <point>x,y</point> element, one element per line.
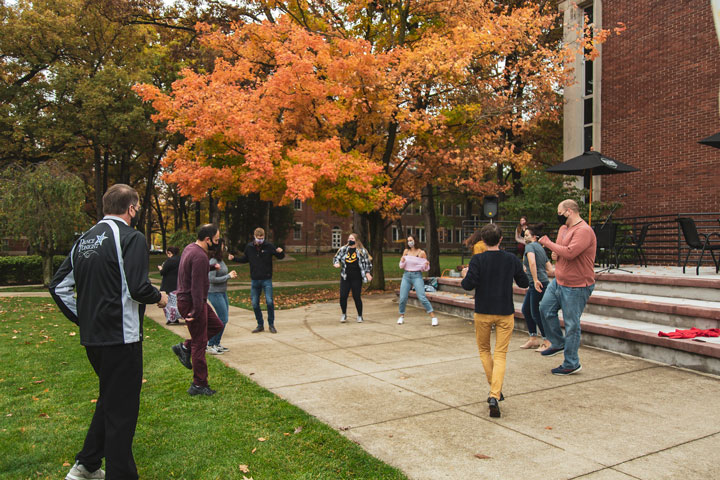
<point>625,314</point>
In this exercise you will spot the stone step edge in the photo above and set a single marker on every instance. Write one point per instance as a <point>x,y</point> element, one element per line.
<point>645,305</point>
<point>639,336</point>
<point>633,278</point>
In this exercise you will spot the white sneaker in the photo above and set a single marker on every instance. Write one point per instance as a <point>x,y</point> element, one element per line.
<point>401,320</point>
<point>79,472</point>
<point>343,318</point>
<point>221,348</point>
<point>434,322</point>
<point>213,350</point>
<point>359,319</point>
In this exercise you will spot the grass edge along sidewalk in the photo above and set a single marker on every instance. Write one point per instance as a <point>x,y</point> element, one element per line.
<point>48,389</point>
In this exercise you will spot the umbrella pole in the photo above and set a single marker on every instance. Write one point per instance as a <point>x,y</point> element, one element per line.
<point>590,210</point>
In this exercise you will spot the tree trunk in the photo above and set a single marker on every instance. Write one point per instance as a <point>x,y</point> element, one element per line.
<point>99,192</point>
<point>197,215</point>
<point>376,226</point>
<point>433,243</point>
<point>266,219</point>
<point>161,221</point>
<point>47,262</point>
<point>213,209</point>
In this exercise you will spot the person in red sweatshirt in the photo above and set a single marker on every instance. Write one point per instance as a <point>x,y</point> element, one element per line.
<point>572,286</point>
<point>201,319</point>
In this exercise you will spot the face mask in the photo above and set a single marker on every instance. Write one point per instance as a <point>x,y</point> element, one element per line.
<point>411,244</point>
<point>562,219</point>
<point>134,220</point>
<point>259,241</point>
<point>351,243</point>
<point>213,246</point>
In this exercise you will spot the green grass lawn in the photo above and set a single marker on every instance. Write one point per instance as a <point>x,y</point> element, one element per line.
<point>47,389</point>
<point>293,297</point>
<point>310,267</point>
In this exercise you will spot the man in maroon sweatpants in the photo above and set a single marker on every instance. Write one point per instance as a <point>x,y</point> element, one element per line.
<point>192,292</point>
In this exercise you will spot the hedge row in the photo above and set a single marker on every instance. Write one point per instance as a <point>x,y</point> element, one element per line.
<point>24,269</point>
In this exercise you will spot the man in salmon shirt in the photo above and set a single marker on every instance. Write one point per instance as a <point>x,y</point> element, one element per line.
<point>573,284</point>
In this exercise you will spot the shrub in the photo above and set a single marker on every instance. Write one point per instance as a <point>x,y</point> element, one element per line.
<point>24,269</point>
<point>181,238</point>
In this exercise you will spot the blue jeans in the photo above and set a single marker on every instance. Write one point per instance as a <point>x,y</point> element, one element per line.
<point>571,300</point>
<point>413,279</point>
<point>257,286</point>
<point>221,305</point>
<point>531,309</point>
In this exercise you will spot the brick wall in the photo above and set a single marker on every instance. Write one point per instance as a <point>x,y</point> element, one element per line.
<point>660,82</point>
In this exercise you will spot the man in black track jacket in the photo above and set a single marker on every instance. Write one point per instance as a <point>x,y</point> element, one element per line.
<point>107,269</point>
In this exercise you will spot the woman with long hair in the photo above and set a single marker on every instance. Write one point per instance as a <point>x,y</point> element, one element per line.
<point>520,235</point>
<point>537,267</point>
<point>217,294</point>
<point>356,267</point>
<point>475,243</point>
<point>414,261</point>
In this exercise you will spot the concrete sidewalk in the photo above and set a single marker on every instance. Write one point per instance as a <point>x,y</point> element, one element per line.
<point>415,397</point>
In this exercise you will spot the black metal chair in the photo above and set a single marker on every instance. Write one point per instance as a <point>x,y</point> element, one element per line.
<point>635,243</point>
<point>693,241</point>
<point>606,236</point>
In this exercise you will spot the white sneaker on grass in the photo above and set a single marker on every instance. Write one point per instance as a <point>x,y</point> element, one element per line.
<point>79,472</point>
<point>343,318</point>
<point>359,319</point>
<point>401,319</point>
<point>434,322</point>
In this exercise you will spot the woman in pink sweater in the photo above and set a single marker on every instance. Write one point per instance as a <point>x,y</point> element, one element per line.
<point>414,262</point>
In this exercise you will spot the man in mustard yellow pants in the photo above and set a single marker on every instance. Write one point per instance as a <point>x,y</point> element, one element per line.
<point>491,274</point>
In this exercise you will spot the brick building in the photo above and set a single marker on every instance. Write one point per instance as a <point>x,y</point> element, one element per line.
<point>324,231</point>
<point>646,101</point>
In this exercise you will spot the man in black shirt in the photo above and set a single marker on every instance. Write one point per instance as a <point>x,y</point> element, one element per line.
<point>491,274</point>
<point>258,254</point>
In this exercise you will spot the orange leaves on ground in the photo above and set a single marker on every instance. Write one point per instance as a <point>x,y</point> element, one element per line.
<point>244,468</point>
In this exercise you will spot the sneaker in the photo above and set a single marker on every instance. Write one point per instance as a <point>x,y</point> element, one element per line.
<point>502,397</point>
<point>401,320</point>
<point>258,329</point>
<point>494,408</point>
<point>272,329</point>
<point>213,350</point>
<point>551,352</point>
<point>221,348</point>
<point>183,355</point>
<point>359,319</point>
<point>565,371</point>
<point>434,322</point>
<point>195,390</point>
<point>343,318</point>
<point>79,472</point>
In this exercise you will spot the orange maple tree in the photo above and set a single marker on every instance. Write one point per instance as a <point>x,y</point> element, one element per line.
<point>358,105</point>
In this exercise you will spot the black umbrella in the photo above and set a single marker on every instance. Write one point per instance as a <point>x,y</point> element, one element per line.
<point>712,140</point>
<point>589,164</point>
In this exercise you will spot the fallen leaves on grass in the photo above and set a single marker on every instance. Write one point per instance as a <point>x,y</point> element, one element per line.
<point>244,468</point>
<point>261,439</point>
<point>44,415</point>
<point>254,450</point>
<point>298,430</point>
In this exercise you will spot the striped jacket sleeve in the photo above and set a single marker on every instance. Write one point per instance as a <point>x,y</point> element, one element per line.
<point>62,289</point>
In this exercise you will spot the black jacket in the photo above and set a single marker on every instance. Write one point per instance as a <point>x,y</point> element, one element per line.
<point>491,274</point>
<point>169,274</point>
<point>260,259</point>
<point>108,270</point>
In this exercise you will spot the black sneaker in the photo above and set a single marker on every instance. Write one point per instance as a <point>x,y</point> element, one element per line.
<point>258,330</point>
<point>565,371</point>
<point>502,397</point>
<point>183,355</point>
<point>195,390</point>
<point>551,352</point>
<point>272,329</point>
<point>494,408</point>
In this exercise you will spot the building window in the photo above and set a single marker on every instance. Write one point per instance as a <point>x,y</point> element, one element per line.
<point>297,231</point>
<point>420,234</point>
<point>588,89</point>
<point>336,237</point>
<point>298,205</point>
<point>459,209</point>
<point>395,234</point>
<point>409,231</point>
<point>458,235</point>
